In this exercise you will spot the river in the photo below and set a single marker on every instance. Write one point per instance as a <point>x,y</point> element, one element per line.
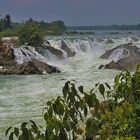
<point>22,98</point>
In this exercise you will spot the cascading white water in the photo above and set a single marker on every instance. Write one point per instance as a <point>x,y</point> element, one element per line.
<point>90,46</point>
<point>26,54</point>
<point>79,45</point>
<point>23,55</point>
<point>119,53</point>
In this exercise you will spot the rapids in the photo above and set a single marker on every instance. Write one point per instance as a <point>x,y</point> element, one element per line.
<point>22,98</point>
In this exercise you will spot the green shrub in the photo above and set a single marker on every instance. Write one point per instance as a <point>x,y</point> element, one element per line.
<point>29,33</point>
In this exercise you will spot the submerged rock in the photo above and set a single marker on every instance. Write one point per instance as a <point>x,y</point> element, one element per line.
<point>135,39</point>
<point>127,56</point>
<point>99,39</point>
<point>69,52</point>
<point>109,41</point>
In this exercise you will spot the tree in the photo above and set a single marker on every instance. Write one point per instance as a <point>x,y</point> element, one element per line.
<point>30,20</point>
<point>30,33</point>
<point>5,23</point>
<point>8,21</point>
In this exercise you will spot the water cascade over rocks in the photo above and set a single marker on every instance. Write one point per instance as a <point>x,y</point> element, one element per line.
<point>27,61</point>
<point>50,57</point>
<point>126,56</point>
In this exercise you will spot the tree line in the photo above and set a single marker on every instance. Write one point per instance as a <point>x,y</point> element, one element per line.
<point>106,27</point>
<point>5,22</point>
<point>10,28</point>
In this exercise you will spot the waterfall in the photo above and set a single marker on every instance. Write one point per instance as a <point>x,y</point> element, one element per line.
<point>119,53</point>
<point>23,54</point>
<point>54,55</point>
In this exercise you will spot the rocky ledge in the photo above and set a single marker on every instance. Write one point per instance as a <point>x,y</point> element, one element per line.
<point>126,56</point>
<point>69,52</point>
<point>9,65</point>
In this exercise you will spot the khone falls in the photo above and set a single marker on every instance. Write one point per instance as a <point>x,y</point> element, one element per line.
<point>86,59</point>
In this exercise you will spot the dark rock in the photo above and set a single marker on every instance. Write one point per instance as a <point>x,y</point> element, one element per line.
<point>1,52</point>
<point>114,33</point>
<point>9,66</point>
<point>124,64</point>
<point>129,60</point>
<point>43,67</point>
<point>7,57</point>
<point>101,66</point>
<point>135,39</point>
<point>131,49</point>
<point>9,52</point>
<point>69,52</point>
<point>99,39</point>
<point>27,68</point>
<point>54,51</point>
<point>31,67</point>
<point>109,41</point>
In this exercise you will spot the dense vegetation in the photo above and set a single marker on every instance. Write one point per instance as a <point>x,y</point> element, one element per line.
<point>80,114</point>
<point>5,23</point>
<point>11,28</point>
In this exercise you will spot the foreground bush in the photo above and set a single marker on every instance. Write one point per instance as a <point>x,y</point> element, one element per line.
<point>81,115</point>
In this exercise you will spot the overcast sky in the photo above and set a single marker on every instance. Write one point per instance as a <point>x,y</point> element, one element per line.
<point>74,12</point>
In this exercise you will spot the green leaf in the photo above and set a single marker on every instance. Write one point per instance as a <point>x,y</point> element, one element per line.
<point>102,89</point>
<point>23,125</point>
<point>81,89</point>
<point>62,135</point>
<point>49,103</point>
<point>60,108</point>
<point>20,137</point>
<point>16,131</point>
<point>46,116</point>
<point>92,127</point>
<point>73,89</point>
<point>34,126</point>
<point>25,134</point>
<point>33,123</point>
<point>89,100</point>
<point>11,136</point>
<point>50,111</point>
<point>7,131</point>
<point>108,86</point>
<point>65,89</point>
<point>96,84</point>
<point>85,111</point>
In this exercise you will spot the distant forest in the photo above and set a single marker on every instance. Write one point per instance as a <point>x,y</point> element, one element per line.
<point>8,27</point>
<point>106,27</point>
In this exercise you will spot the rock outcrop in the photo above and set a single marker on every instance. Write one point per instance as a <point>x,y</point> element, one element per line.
<point>9,52</point>
<point>9,65</point>
<point>43,51</point>
<point>69,52</point>
<point>126,56</point>
<point>31,67</point>
<point>109,41</point>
